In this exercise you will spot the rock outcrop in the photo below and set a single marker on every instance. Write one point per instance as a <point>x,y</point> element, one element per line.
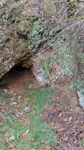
<point>15,22</point>
<point>31,35</point>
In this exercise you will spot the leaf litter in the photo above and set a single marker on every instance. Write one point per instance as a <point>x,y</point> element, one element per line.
<point>53,123</point>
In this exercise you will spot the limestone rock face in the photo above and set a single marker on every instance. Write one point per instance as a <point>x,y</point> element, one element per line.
<point>61,57</point>
<point>30,34</point>
<point>16,21</point>
<point>22,32</point>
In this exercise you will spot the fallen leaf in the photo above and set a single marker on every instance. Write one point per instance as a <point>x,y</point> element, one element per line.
<point>48,147</point>
<point>75,142</point>
<point>65,119</point>
<point>70,118</point>
<point>30,104</point>
<point>58,137</point>
<point>11,146</point>
<point>65,139</point>
<point>52,125</point>
<point>14,103</point>
<point>71,109</point>
<point>57,126</point>
<point>26,133</point>
<point>57,98</point>
<point>58,104</point>
<point>42,148</point>
<point>62,129</point>
<point>19,97</point>
<point>81,135</point>
<point>60,115</point>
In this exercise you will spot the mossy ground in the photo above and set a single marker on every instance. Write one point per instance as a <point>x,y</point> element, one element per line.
<point>40,133</point>
<point>45,126</point>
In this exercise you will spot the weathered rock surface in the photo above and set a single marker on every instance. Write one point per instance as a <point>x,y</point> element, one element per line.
<point>16,22</point>
<point>61,57</point>
<point>27,110</point>
<point>31,36</point>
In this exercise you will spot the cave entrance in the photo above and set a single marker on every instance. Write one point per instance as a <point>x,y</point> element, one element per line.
<point>19,68</point>
<point>17,78</point>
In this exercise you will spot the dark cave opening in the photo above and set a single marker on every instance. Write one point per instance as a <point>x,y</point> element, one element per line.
<point>20,68</point>
<point>17,77</point>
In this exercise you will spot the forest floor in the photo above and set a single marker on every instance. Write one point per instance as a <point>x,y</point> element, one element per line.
<point>40,118</point>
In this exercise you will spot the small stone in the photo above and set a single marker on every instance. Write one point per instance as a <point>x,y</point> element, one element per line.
<point>81,98</point>
<point>65,139</point>
<point>12,138</point>
<point>12,98</point>
<point>19,114</point>
<point>5,90</point>
<point>27,110</point>
<point>14,103</point>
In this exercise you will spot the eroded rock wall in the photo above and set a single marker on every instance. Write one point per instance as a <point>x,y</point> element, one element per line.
<point>33,34</point>
<point>17,19</point>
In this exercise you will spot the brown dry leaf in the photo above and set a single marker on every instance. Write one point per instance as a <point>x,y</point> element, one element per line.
<point>48,147</point>
<point>58,137</point>
<point>81,135</point>
<point>26,133</point>
<point>62,129</point>
<point>60,115</point>
<point>75,142</point>
<point>58,104</point>
<point>6,134</point>
<point>30,104</point>
<point>42,148</point>
<point>52,125</point>
<point>65,139</point>
<point>57,98</point>
<point>57,126</point>
<point>65,119</point>
<point>70,118</point>
<point>46,105</point>
<point>18,105</point>
<point>11,146</point>
<point>71,109</point>
<point>19,97</point>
